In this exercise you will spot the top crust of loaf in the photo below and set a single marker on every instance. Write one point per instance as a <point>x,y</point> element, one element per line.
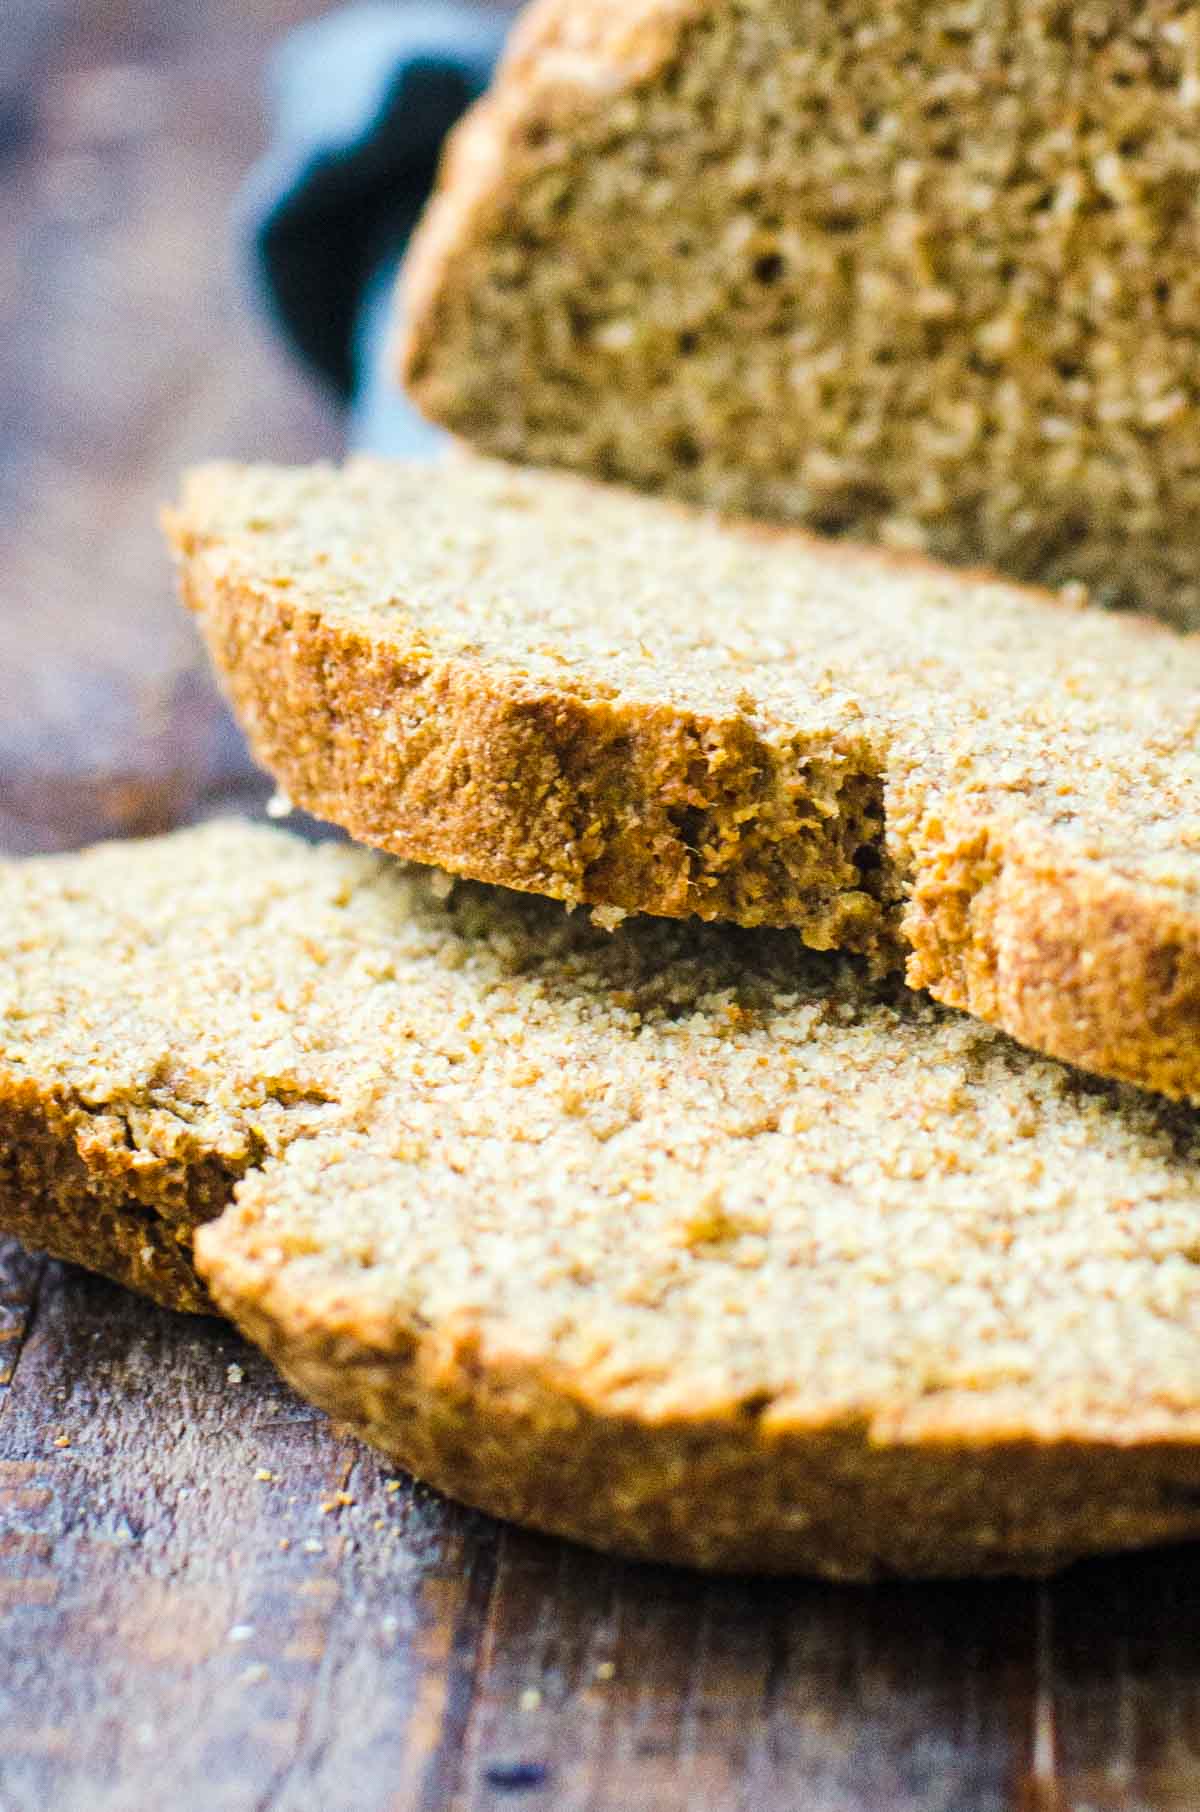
<point>564,58</point>
<point>570,689</point>
<point>925,277</point>
<point>676,1238</point>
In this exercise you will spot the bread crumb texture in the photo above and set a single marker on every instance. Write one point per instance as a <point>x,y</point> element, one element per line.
<point>677,1239</point>
<point>564,687</point>
<point>923,274</point>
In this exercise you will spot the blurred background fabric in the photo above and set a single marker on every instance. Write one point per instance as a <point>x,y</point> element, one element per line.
<point>360,102</point>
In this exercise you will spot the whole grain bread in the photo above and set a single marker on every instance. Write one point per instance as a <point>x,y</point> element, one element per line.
<point>919,274</point>
<point>674,1239</point>
<point>571,689</point>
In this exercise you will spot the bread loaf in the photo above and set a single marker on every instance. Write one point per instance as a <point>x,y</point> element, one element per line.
<point>919,274</point>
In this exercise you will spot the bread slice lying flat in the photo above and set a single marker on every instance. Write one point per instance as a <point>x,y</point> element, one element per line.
<point>674,1239</point>
<point>574,690</point>
<point>923,274</point>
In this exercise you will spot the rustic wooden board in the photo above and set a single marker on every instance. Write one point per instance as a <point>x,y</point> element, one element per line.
<point>208,1597</point>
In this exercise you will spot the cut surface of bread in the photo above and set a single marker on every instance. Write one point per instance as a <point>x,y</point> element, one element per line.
<point>150,1048</point>
<point>672,1239</point>
<point>919,273</point>
<point>568,688</point>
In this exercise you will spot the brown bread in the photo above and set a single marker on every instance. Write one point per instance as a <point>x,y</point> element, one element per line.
<point>571,689</point>
<point>924,274</point>
<point>675,1239</point>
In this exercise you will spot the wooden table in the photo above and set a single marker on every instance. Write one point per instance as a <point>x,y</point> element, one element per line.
<point>208,1597</point>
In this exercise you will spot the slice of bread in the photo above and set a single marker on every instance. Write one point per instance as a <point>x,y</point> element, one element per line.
<point>571,689</point>
<point>925,275</point>
<point>676,1239</point>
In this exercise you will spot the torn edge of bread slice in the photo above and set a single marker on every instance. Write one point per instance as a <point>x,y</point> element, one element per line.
<point>674,1240</point>
<point>923,277</point>
<point>573,690</point>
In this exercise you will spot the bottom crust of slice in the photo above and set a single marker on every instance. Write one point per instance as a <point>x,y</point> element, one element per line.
<point>735,1491</point>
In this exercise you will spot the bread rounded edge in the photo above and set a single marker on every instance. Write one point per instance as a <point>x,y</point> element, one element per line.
<point>565,791</point>
<point>563,59</point>
<point>72,1186</point>
<point>1064,956</point>
<point>728,1487</point>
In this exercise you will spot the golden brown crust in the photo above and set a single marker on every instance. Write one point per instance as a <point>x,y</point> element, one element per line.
<point>732,1488</point>
<point>569,789</point>
<point>1067,959</point>
<point>71,1184</point>
<point>563,59</point>
<point>555,792</point>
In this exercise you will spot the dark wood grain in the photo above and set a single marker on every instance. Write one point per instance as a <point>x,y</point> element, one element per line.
<point>201,1583</point>
<point>208,1597</point>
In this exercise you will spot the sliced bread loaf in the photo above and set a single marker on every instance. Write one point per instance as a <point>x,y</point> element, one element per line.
<point>924,274</point>
<point>571,689</point>
<point>676,1240</point>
